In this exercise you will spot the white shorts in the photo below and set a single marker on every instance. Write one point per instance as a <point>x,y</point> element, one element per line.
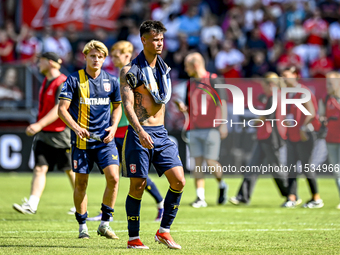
<point>205,143</point>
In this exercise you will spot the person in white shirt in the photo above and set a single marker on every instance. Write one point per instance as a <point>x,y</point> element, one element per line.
<point>229,60</point>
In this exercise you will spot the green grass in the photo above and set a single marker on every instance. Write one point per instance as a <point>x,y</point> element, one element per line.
<point>261,228</point>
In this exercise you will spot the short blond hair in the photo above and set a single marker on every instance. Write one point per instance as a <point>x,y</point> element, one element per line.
<point>94,44</point>
<point>272,77</point>
<point>123,47</point>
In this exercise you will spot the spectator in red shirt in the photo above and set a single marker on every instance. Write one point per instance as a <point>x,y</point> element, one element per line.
<point>336,54</point>
<point>6,48</point>
<point>317,30</point>
<point>320,67</point>
<point>28,45</point>
<point>289,59</point>
<point>332,119</point>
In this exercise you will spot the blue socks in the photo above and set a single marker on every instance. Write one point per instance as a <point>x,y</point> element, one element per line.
<point>171,205</point>
<point>132,207</point>
<point>107,212</point>
<point>152,189</point>
<point>81,218</point>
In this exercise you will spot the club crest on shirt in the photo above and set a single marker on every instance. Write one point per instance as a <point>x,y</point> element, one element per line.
<point>107,87</point>
<point>133,168</point>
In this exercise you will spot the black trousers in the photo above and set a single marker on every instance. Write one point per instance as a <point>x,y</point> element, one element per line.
<point>301,151</point>
<point>263,153</point>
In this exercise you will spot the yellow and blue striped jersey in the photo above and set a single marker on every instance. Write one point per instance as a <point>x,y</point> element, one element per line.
<point>90,104</point>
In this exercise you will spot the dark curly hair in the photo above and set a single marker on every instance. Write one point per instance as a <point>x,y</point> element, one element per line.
<point>152,25</point>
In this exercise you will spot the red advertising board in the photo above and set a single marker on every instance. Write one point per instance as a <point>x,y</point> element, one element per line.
<point>61,13</point>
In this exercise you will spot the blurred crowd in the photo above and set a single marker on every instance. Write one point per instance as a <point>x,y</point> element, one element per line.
<point>238,38</point>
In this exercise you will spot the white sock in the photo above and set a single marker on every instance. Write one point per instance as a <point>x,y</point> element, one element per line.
<point>133,238</point>
<point>200,193</point>
<point>104,223</point>
<point>222,184</point>
<point>82,227</point>
<point>34,202</point>
<point>160,205</point>
<point>164,230</point>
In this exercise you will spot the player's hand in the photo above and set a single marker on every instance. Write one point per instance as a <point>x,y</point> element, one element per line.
<point>181,106</point>
<point>110,135</point>
<point>33,129</point>
<point>304,136</point>
<point>145,140</point>
<point>323,120</point>
<point>82,133</point>
<point>223,131</point>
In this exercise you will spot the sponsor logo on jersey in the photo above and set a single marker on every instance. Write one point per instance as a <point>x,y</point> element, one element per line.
<point>133,168</point>
<point>95,101</point>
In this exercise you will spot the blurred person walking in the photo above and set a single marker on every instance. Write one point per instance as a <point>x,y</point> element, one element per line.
<point>205,140</point>
<point>331,117</point>
<point>300,142</point>
<point>51,145</point>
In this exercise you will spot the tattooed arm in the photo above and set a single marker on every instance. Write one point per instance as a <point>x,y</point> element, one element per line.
<point>131,109</point>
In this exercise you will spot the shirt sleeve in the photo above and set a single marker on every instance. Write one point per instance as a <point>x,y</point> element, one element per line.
<point>115,95</point>
<point>68,89</point>
<point>220,91</point>
<point>58,93</point>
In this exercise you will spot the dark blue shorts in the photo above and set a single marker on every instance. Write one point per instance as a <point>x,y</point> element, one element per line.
<point>137,159</point>
<point>119,143</point>
<point>83,160</point>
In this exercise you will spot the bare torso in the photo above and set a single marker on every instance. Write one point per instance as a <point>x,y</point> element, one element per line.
<point>148,112</point>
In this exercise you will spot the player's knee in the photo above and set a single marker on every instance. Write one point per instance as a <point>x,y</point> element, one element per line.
<point>140,186</point>
<point>212,162</point>
<point>112,180</point>
<point>178,184</point>
<point>81,185</point>
<point>40,170</point>
<point>182,182</point>
<point>137,186</point>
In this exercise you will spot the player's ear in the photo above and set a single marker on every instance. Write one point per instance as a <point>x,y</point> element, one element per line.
<point>143,39</point>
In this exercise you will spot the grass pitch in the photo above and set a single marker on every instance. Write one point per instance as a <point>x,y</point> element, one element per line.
<point>261,228</point>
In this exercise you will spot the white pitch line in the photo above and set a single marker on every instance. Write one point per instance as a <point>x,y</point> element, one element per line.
<point>181,231</point>
<point>260,211</point>
<point>208,222</point>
